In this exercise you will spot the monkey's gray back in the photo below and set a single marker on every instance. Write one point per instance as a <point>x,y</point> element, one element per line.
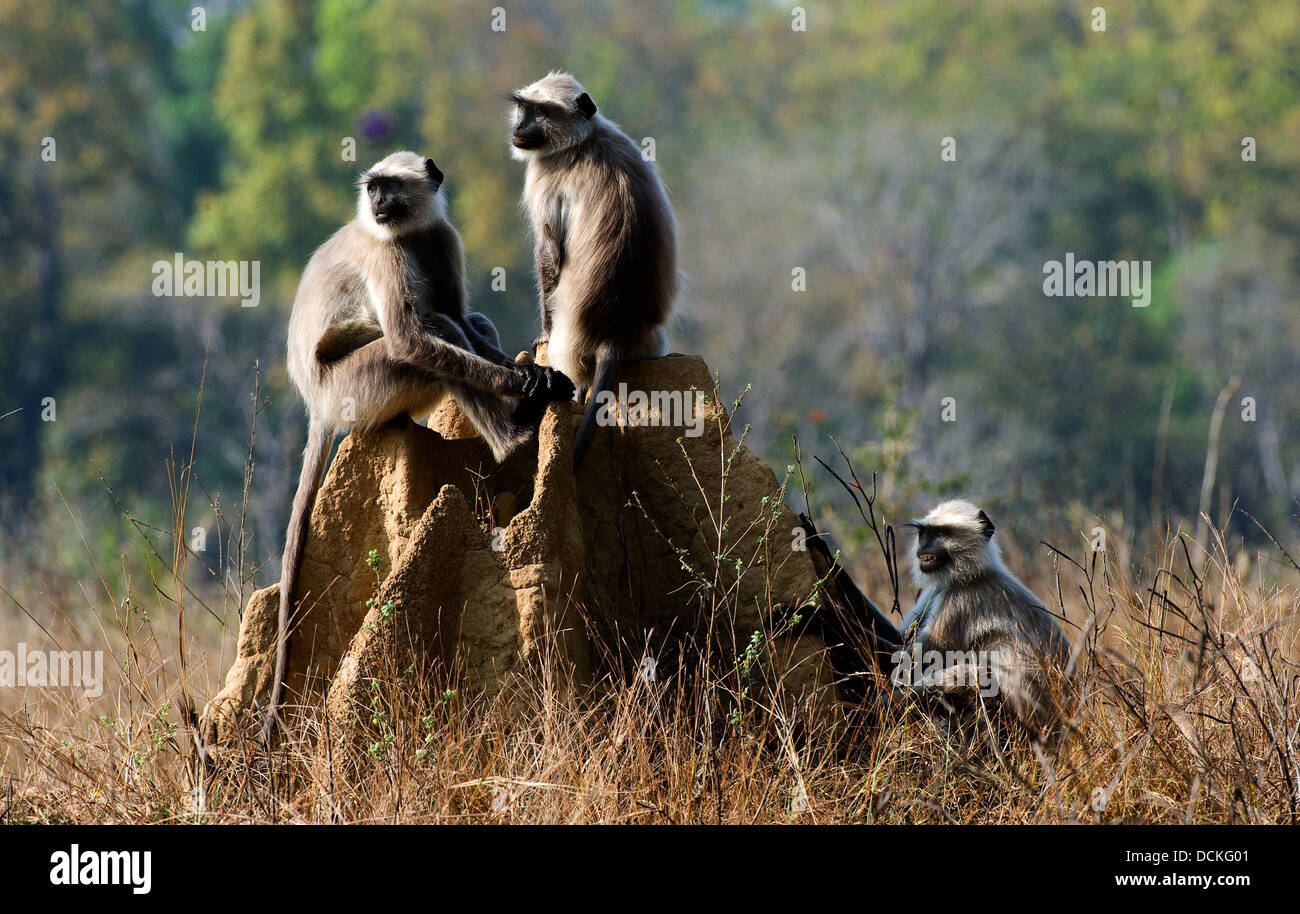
<point>619,276</point>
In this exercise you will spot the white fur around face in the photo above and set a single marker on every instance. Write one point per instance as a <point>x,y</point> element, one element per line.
<point>409,167</point>
<point>519,155</point>
<point>556,88</point>
<point>970,554</point>
<point>957,513</point>
<point>367,221</point>
<point>403,164</point>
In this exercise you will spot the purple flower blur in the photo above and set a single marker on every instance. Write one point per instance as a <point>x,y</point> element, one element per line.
<point>374,125</point>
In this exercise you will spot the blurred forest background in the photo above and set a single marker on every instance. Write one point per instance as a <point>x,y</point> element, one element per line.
<point>782,149</point>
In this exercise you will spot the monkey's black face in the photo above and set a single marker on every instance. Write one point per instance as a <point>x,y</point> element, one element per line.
<point>931,548</point>
<point>390,201</point>
<point>530,126</point>
<point>545,127</point>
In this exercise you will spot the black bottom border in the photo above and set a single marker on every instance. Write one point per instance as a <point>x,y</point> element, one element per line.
<point>910,864</point>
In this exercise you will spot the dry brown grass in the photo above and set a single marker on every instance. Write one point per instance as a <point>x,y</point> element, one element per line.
<point>1185,711</point>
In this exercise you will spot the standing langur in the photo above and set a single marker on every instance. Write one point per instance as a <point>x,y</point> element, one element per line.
<point>975,628</point>
<point>605,241</point>
<point>379,329</point>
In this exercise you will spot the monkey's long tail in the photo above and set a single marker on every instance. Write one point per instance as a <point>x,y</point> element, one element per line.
<point>314,455</point>
<point>856,632</point>
<point>608,359</point>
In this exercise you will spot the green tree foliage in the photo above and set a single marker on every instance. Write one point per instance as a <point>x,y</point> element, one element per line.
<point>89,161</point>
<point>816,149</point>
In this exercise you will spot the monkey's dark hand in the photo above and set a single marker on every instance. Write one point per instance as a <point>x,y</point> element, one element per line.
<point>545,386</point>
<point>554,386</point>
<point>559,387</point>
<point>544,383</point>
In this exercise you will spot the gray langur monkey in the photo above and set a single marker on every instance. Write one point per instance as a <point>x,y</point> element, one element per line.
<point>605,240</point>
<point>975,628</point>
<point>379,329</point>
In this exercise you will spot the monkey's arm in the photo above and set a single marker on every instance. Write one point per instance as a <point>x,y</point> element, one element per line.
<point>552,385</point>
<point>548,258</point>
<point>427,328</point>
<point>997,665</point>
<point>438,345</point>
<point>550,261</point>
<point>957,677</point>
<point>938,689</point>
<point>423,341</point>
<point>490,352</point>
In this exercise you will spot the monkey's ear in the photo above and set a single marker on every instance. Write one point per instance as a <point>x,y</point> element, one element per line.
<point>434,173</point>
<point>586,106</point>
<point>986,525</point>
